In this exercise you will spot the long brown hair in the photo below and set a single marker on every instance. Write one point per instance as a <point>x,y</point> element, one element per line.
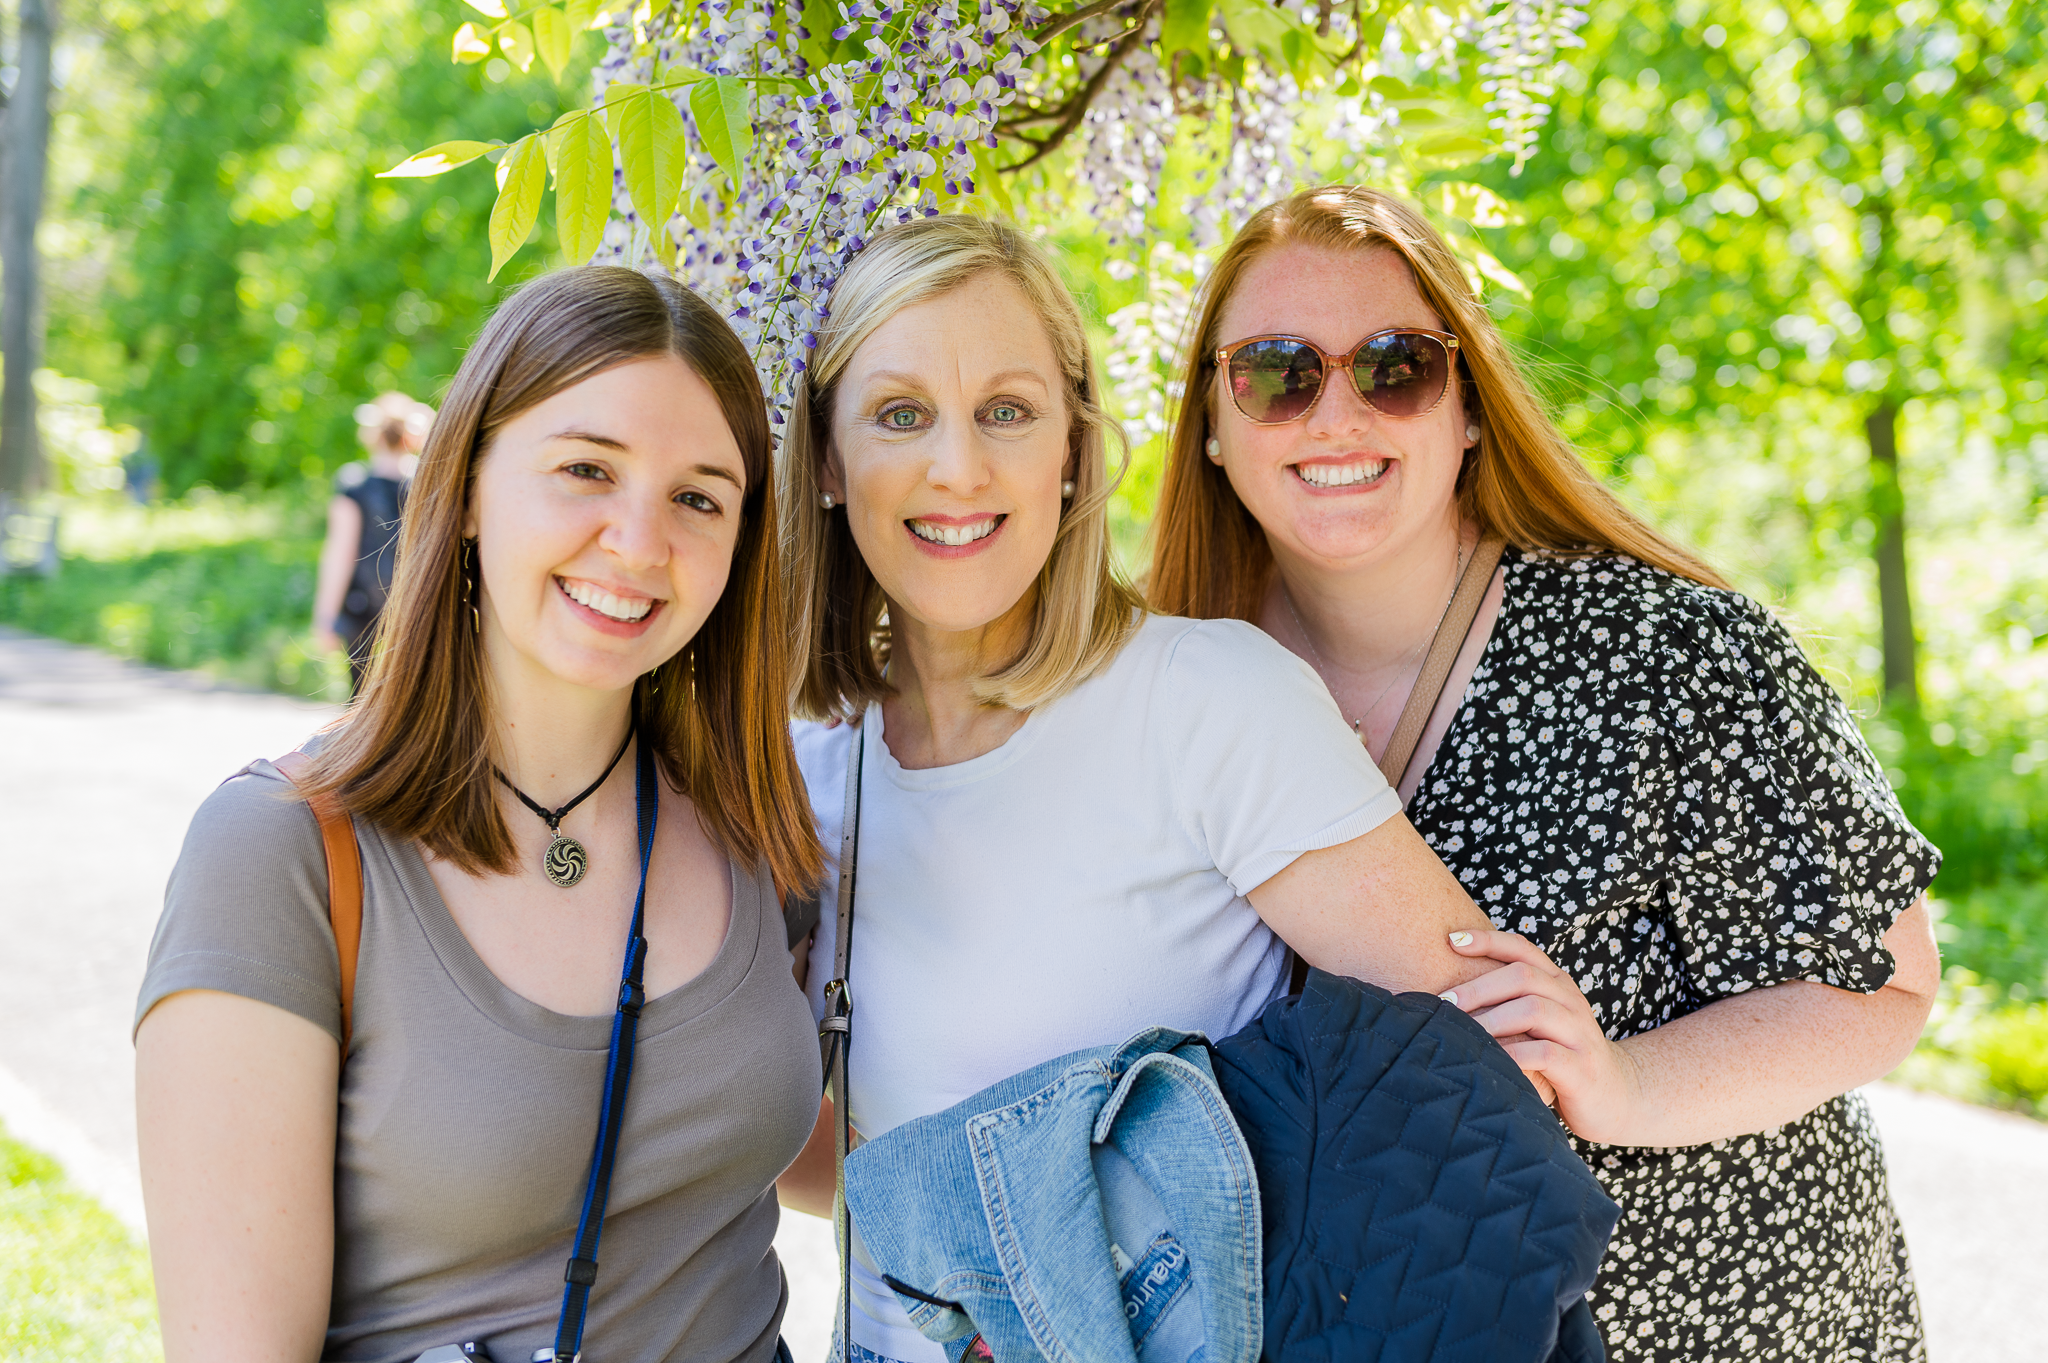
<point>1522,480</point>
<point>413,754</point>
<point>1085,610</point>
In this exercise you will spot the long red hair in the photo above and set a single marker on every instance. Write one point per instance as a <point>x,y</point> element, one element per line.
<point>1523,479</point>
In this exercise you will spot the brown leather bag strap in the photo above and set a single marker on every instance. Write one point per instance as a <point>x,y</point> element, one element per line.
<point>1443,654</point>
<point>344,884</point>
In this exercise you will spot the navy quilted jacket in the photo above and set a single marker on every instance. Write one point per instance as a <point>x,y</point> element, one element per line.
<point>1421,1203</point>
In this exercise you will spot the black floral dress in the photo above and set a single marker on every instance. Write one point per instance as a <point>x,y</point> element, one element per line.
<point>1649,780</point>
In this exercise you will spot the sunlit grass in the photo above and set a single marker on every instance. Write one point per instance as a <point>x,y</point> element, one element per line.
<point>104,529</point>
<point>213,583</point>
<point>73,1283</point>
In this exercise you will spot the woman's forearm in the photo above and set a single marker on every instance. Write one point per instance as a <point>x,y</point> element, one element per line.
<point>1771,1056</point>
<point>1762,1059</point>
<point>1738,1065</point>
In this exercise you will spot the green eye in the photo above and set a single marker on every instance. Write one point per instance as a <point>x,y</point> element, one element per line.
<point>1006,413</point>
<point>903,418</point>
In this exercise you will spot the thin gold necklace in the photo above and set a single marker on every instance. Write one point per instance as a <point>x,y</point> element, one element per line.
<point>1316,656</point>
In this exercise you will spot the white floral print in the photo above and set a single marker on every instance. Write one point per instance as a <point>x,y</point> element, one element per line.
<point>1649,780</point>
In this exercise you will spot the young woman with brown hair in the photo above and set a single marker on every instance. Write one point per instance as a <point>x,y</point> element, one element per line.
<point>1709,915</point>
<point>587,618</point>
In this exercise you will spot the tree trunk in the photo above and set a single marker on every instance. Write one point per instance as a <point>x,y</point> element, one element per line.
<point>1894,598</point>
<point>24,151</point>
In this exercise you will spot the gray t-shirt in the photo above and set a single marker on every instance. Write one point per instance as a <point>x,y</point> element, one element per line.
<point>468,1113</point>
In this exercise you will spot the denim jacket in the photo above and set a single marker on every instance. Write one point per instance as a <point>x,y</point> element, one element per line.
<point>1099,1207</point>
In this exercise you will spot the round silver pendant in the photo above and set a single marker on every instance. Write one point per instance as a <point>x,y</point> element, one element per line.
<point>566,861</point>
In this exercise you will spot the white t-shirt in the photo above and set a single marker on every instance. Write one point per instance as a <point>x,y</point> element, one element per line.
<point>1085,880</point>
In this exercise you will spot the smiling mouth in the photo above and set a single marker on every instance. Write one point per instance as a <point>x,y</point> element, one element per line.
<point>954,536</point>
<point>624,609</point>
<point>1360,474</point>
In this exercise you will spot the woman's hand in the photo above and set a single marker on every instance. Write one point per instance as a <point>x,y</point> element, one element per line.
<point>1545,1024</point>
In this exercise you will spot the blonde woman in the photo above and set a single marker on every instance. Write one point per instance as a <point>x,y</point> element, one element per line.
<point>1710,911</point>
<point>1076,820</point>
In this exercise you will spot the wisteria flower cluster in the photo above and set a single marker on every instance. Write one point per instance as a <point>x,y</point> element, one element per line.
<point>1519,45</point>
<point>908,107</point>
<point>877,139</point>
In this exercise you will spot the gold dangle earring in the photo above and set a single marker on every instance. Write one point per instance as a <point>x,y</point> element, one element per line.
<point>469,592</point>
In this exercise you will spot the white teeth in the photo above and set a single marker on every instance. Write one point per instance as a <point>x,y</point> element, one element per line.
<point>953,534</point>
<point>1340,475</point>
<point>623,609</point>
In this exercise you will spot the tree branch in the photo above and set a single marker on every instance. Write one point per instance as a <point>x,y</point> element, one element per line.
<point>1072,18</point>
<point>1079,104</point>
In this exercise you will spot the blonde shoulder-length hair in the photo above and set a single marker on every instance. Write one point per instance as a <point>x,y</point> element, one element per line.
<point>1522,480</point>
<point>1084,609</point>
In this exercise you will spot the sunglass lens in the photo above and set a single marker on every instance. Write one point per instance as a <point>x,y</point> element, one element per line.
<point>1403,374</point>
<point>1275,381</point>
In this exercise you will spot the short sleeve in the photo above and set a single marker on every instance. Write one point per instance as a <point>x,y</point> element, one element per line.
<point>246,908</point>
<point>1264,766</point>
<point>1790,855</point>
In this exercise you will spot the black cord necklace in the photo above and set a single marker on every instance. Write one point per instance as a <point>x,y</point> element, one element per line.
<point>566,859</point>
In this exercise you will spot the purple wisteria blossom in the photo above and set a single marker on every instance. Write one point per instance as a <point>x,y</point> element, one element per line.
<point>901,107</point>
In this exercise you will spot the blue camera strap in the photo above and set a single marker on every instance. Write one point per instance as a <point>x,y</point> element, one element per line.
<point>618,1073</point>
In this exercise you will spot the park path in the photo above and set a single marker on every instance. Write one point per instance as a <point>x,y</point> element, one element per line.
<point>102,764</point>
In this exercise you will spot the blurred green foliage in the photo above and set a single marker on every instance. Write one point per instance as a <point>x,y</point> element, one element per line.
<point>73,1283</point>
<point>223,588</point>
<point>2012,1046</point>
<point>226,269</point>
<point>1842,198</point>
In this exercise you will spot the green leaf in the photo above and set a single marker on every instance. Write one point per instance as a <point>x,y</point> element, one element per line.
<point>616,96</point>
<point>1498,273</point>
<point>1402,95</point>
<point>551,140</point>
<point>436,159</point>
<point>652,150</point>
<point>1478,205</point>
<point>1453,149</point>
<point>494,8</point>
<point>989,181</point>
<point>472,45</point>
<point>1257,26</point>
<point>583,187</point>
<point>676,73</point>
<point>1186,27</point>
<point>515,40</point>
<point>552,38</point>
<point>821,49</point>
<point>724,124</point>
<point>581,14</point>
<point>522,179</point>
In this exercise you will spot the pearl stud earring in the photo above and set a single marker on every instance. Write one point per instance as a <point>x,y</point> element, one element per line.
<point>1471,432</point>
<point>826,500</point>
<point>1215,450</point>
<point>1067,489</point>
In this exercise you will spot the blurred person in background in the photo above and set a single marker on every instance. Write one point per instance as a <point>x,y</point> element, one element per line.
<point>361,552</point>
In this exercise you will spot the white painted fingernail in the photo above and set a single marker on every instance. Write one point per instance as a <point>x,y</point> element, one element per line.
<point>1449,996</point>
<point>1461,939</point>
